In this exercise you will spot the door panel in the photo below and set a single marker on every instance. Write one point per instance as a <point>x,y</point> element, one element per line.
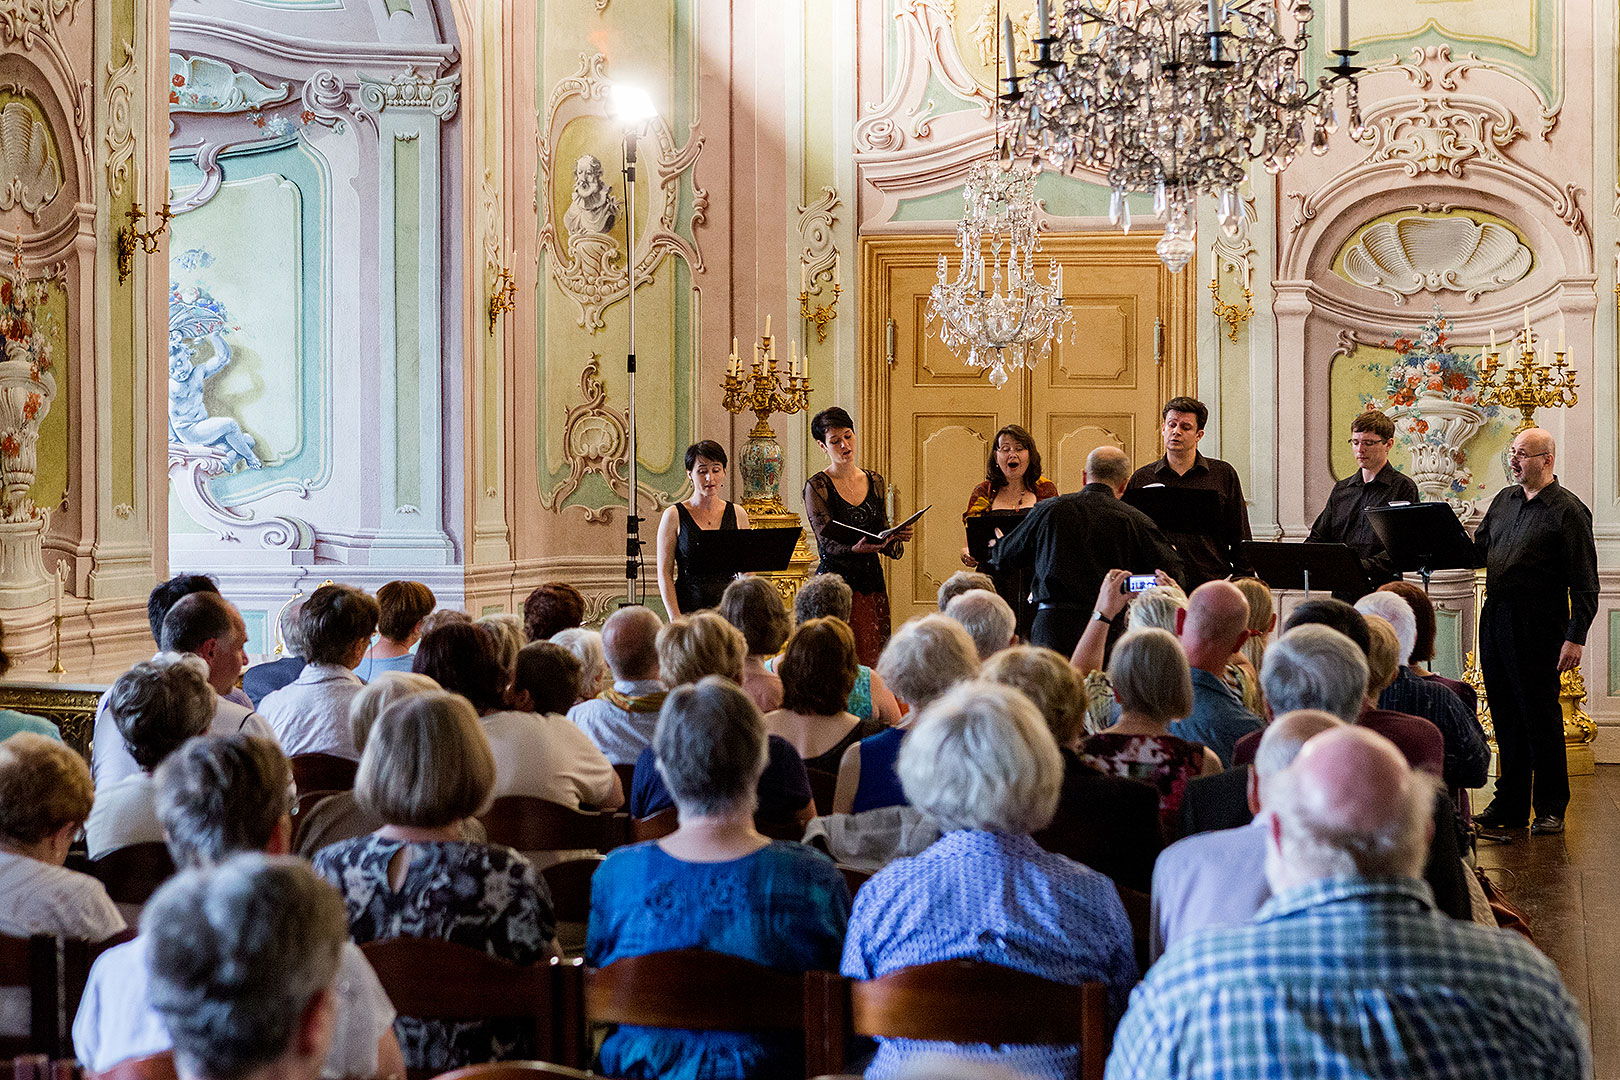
<point>928,420</point>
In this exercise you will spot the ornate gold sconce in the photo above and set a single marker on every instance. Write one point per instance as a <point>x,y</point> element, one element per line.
<point>1233,315</point>
<point>133,235</point>
<point>502,297</point>
<point>821,314</point>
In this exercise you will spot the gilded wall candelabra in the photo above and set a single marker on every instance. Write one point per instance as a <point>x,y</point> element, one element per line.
<point>758,388</point>
<point>1530,383</point>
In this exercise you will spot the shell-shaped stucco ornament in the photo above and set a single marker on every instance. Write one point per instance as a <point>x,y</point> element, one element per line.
<point>1432,254</point>
<point>29,174</point>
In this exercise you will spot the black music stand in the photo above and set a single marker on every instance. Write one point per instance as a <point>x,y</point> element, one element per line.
<point>982,531</point>
<point>1424,537</point>
<point>1333,567</point>
<point>1188,511</point>
<point>743,551</point>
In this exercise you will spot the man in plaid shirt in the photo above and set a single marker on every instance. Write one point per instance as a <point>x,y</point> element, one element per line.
<point>1348,971</point>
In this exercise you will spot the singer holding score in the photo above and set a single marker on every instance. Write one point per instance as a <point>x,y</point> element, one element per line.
<point>685,588</point>
<point>844,494</point>
<point>1013,484</point>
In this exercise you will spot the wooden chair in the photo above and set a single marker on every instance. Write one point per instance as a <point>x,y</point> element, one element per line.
<point>438,980</point>
<point>40,1067</point>
<point>323,772</point>
<point>695,990</point>
<point>976,1002</point>
<point>54,971</point>
<point>133,873</point>
<point>530,824</point>
<point>153,1067</point>
<point>516,1070</point>
<point>854,877</point>
<point>780,828</point>
<point>570,885</point>
<point>822,787</point>
<point>655,826</point>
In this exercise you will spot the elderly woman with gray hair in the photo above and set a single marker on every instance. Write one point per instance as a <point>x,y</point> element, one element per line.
<point>981,764</point>
<point>715,883</point>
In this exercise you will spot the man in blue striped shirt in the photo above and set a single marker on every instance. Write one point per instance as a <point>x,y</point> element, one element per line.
<point>1348,971</point>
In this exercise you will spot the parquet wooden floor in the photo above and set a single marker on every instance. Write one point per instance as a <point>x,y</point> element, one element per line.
<point>1569,886</point>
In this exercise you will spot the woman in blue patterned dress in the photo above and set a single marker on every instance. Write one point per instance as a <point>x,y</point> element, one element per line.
<point>715,884</point>
<point>427,769</point>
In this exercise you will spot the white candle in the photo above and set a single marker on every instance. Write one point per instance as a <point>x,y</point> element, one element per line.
<point>1527,318</point>
<point>981,273</point>
<point>793,358</point>
<point>1043,19</point>
<point>1560,339</point>
<point>1344,25</point>
<point>836,260</point>
<point>768,324</point>
<point>1012,46</point>
<point>56,588</point>
<point>1493,341</point>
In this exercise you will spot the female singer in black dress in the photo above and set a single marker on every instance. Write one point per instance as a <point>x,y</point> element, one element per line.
<point>855,496</point>
<point>683,587</point>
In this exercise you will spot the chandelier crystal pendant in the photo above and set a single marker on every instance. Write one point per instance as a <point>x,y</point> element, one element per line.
<point>997,311</point>
<point>1176,98</point>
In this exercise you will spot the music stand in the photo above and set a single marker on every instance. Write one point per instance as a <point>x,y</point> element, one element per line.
<point>1282,565</point>
<point>982,528</point>
<point>1424,537</point>
<point>742,551</point>
<point>1188,511</point>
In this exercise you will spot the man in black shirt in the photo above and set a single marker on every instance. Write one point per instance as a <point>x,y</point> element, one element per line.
<point>1374,483</point>
<point>1072,541</point>
<point>1208,558</point>
<point>1541,594</point>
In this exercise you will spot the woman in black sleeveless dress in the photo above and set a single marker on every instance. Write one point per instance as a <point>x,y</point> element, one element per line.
<point>685,588</point>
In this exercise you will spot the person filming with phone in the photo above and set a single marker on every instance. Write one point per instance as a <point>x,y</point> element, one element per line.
<point>1074,540</point>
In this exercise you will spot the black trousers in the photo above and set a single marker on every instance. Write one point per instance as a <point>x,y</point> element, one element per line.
<point>1059,628</point>
<point>1519,643</point>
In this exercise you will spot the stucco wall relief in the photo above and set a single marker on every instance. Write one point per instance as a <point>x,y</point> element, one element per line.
<point>596,441</point>
<point>1408,255</point>
<point>30,172</point>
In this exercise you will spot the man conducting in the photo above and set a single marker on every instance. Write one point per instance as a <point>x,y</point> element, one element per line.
<point>1072,541</point>
<point>1374,483</point>
<point>1541,593</point>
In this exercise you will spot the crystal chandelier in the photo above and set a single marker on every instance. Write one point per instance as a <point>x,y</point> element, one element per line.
<point>1176,98</point>
<point>1000,328</point>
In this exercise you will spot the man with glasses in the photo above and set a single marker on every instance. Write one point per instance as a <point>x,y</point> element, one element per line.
<point>1374,483</point>
<point>1541,594</point>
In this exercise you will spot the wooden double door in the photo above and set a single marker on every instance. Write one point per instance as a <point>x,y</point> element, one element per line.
<point>929,420</point>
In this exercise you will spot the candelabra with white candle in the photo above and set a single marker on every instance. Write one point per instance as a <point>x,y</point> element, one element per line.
<point>1530,383</point>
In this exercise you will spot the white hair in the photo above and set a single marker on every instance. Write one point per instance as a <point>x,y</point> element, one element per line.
<point>988,619</point>
<point>1394,609</point>
<point>1315,667</point>
<point>586,645</point>
<point>981,757</point>
<point>1155,608</point>
<point>926,657</point>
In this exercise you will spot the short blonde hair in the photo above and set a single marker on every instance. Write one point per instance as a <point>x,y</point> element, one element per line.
<point>427,763</point>
<point>44,785</point>
<point>1156,608</point>
<point>981,757</point>
<point>693,646</point>
<point>1048,680</point>
<point>1150,675</point>
<point>1261,609</point>
<point>1383,653</point>
<point>926,657</point>
<point>505,632</point>
<point>382,691</point>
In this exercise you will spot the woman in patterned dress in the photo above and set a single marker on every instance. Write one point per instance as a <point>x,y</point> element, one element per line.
<point>1153,683</point>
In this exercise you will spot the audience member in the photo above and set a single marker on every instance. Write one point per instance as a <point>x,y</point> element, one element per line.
<point>339,816</point>
<point>925,658</point>
<point>156,705</point>
<point>1468,758</point>
<point>693,646</point>
<point>158,602</point>
<point>1348,970</point>
<point>1243,673</point>
<point>310,715</point>
<point>1150,676</point>
<point>754,606</point>
<point>552,608</point>
<point>537,751</point>
<point>1423,643</point>
<point>1215,626</point>
<point>12,721</point>
<point>1327,611</point>
<point>817,669</point>
<point>717,884</point>
<point>426,769</point>
<point>263,679</point>
<point>505,632</point>
<point>1158,607</point>
<point>620,720</point>
<point>244,962</point>
<point>1107,822</point>
<point>988,619</point>
<point>586,645</point>
<point>218,798</point>
<point>1219,878</point>
<point>981,764</point>
<point>826,595</point>
<point>461,659</point>
<point>402,606</point>
<point>443,617</point>
<point>205,625</point>
<point>960,582</point>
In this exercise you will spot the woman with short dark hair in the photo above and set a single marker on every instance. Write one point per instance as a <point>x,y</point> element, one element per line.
<point>684,586</point>
<point>401,607</point>
<point>1013,483</point>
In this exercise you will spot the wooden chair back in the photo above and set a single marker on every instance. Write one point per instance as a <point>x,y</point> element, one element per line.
<point>696,990</point>
<point>54,971</point>
<point>822,787</point>
<point>780,828</point>
<point>438,980</point>
<point>530,824</point>
<point>570,885</point>
<point>323,772</point>
<point>131,874</point>
<point>152,1067</point>
<point>854,877</point>
<point>972,1001</point>
<point>40,1067</point>
<point>655,826</point>
<point>516,1070</point>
